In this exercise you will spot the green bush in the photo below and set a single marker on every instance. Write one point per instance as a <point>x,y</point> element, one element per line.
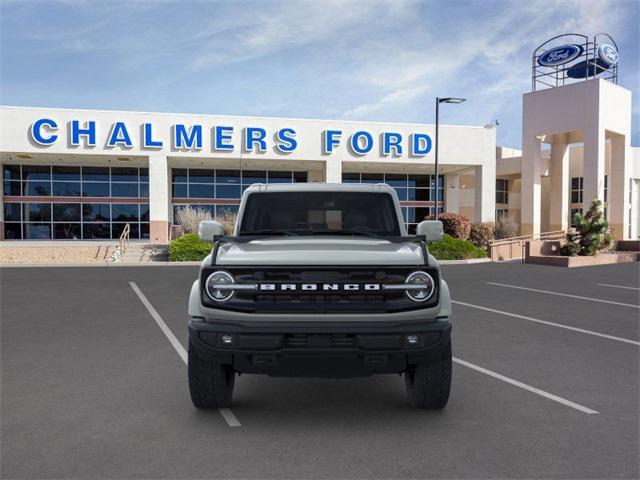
<point>450,248</point>
<point>591,235</point>
<point>188,248</point>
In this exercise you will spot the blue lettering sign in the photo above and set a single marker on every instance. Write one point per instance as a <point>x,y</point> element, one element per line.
<point>255,135</point>
<point>37,134</point>
<point>221,137</point>
<point>392,140</point>
<point>147,138</point>
<point>560,55</point>
<point>119,136</point>
<point>421,144</point>
<point>89,132</point>
<point>187,139</point>
<point>357,146</point>
<point>331,140</point>
<point>286,142</point>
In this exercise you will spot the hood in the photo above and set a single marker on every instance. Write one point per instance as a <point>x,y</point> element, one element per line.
<point>320,251</point>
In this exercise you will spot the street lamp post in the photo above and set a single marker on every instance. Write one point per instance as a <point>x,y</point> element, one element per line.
<point>438,102</point>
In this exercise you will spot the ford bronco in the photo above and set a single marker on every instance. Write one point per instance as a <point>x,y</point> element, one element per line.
<point>320,280</point>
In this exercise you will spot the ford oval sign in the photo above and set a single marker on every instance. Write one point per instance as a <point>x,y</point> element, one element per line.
<point>608,54</point>
<point>560,55</point>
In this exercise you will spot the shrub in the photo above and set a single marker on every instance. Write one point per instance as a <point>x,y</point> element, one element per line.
<point>188,247</point>
<point>228,221</point>
<point>591,235</point>
<point>189,218</point>
<point>505,228</point>
<point>458,226</point>
<point>481,234</point>
<point>450,248</point>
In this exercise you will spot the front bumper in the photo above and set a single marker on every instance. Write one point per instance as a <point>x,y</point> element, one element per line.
<point>331,350</point>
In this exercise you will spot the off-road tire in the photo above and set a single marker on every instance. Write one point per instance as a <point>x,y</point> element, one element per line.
<point>210,384</point>
<point>428,384</point>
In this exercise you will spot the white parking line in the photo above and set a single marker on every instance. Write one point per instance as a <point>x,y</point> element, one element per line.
<point>529,388</point>
<point>226,414</point>
<point>616,286</point>
<point>590,299</point>
<point>544,322</point>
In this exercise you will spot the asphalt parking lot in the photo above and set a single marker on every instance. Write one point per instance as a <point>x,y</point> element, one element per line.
<point>545,385</point>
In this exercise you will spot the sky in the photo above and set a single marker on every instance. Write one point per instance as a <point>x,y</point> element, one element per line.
<point>345,60</point>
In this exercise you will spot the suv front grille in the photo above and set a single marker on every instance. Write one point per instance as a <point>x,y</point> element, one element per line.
<point>320,341</point>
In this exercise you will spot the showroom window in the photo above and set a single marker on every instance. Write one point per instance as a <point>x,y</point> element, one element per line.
<point>576,190</point>
<point>502,190</point>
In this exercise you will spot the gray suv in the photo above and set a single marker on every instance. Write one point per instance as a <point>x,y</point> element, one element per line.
<point>320,280</point>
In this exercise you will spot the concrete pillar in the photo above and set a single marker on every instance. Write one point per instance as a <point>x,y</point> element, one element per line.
<point>559,201</point>
<point>159,198</point>
<point>333,171</point>
<point>485,192</point>
<point>531,186</point>
<point>452,192</point>
<point>315,176</point>
<point>593,166</point>
<point>619,186</point>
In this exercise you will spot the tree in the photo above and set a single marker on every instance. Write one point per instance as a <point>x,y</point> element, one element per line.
<point>591,235</point>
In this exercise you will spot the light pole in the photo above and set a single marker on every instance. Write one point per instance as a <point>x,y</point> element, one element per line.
<point>438,102</point>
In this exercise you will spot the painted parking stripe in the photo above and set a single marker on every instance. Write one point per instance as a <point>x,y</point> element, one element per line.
<point>616,286</point>
<point>226,414</point>
<point>545,322</point>
<point>529,388</point>
<point>579,297</point>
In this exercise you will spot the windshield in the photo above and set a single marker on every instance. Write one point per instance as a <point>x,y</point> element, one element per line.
<point>320,213</point>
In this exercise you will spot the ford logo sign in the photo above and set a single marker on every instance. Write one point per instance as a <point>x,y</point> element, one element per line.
<point>608,54</point>
<point>560,55</point>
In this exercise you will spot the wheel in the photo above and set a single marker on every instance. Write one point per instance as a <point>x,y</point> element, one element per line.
<point>428,384</point>
<point>210,384</point>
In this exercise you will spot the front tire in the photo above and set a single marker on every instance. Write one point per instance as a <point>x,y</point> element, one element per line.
<point>210,384</point>
<point>428,384</point>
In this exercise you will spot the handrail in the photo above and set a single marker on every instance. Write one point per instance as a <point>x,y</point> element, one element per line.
<point>538,236</point>
<point>123,242</point>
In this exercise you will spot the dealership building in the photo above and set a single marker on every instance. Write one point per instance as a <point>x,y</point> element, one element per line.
<point>85,174</point>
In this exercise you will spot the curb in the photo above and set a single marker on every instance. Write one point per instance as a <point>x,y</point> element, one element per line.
<point>470,261</point>
<point>99,265</point>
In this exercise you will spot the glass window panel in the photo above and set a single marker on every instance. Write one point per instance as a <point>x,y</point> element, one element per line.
<point>124,174</point>
<point>12,188</point>
<point>124,190</point>
<point>422,213</point>
<point>410,217</point>
<point>124,212</point>
<point>37,189</point>
<point>179,190</point>
<point>440,194</point>
<point>199,190</point>
<point>12,212</point>
<point>11,172</point>
<point>227,191</point>
<point>96,212</point>
<point>178,175</point>
<point>205,208</point>
<point>12,231</point>
<point>37,212</point>
<point>176,209</point>
<point>92,231</point>
<point>419,181</point>
<point>350,178</point>
<point>575,183</point>
<point>372,178</point>
<point>144,174</point>
<point>36,172</point>
<point>222,209</point>
<point>411,229</point>
<point>144,230</point>
<point>66,212</point>
<point>201,176</point>
<point>402,193</point>
<point>254,176</point>
<point>71,231</point>
<point>37,231</point>
<point>66,189</point>
<point>575,198</point>
<point>299,177</point>
<point>418,194</point>
<point>144,189</point>
<point>66,173</point>
<point>280,177</point>
<point>227,176</point>
<point>396,179</point>
<point>95,174</point>
<point>144,212</point>
<point>117,228</point>
<point>93,189</point>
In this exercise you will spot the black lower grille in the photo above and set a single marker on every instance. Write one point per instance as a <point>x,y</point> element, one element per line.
<point>320,341</point>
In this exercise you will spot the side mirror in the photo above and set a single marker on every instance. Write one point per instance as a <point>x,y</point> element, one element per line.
<point>431,230</point>
<point>208,230</point>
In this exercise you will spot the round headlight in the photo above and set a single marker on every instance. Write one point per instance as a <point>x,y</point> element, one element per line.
<point>215,286</point>
<point>425,286</point>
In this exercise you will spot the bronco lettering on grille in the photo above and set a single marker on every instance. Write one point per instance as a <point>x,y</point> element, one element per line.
<point>325,287</point>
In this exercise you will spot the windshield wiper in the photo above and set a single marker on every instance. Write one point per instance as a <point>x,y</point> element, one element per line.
<point>266,231</point>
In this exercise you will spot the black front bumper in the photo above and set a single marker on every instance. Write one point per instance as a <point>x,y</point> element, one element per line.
<point>320,350</point>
